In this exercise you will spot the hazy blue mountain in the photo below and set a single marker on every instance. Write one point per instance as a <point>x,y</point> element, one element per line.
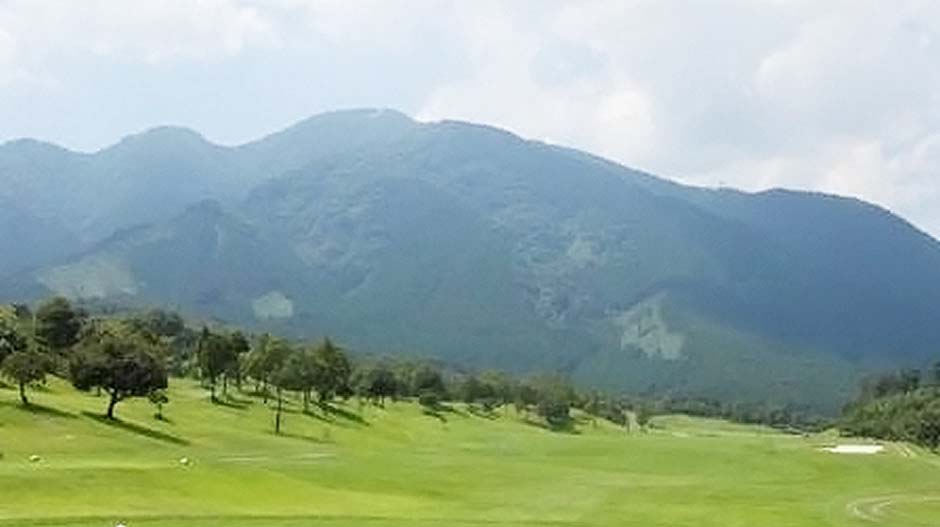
<point>468,243</point>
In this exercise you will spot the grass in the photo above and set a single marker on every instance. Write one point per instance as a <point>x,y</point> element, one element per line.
<point>395,466</point>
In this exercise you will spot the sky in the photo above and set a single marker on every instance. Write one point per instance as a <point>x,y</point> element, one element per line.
<point>833,96</point>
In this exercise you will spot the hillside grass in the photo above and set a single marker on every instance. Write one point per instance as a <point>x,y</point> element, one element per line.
<point>396,466</point>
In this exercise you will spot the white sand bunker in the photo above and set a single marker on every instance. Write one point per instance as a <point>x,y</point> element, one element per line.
<point>855,449</point>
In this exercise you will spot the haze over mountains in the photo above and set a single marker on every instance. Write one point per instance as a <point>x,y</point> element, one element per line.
<point>468,243</point>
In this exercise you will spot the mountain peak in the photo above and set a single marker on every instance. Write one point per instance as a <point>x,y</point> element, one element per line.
<point>163,137</point>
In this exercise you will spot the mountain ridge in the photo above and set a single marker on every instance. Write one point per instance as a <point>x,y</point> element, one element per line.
<point>472,244</point>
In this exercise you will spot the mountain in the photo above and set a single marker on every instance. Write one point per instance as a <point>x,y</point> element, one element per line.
<point>470,244</point>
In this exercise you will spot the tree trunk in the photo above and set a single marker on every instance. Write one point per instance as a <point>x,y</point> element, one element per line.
<point>111,403</point>
<point>306,401</point>
<point>277,415</point>
<point>224,385</point>
<point>23,393</point>
<point>212,388</point>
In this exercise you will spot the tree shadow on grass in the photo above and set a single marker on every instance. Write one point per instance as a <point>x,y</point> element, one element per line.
<point>38,409</point>
<point>309,413</point>
<point>343,413</point>
<point>136,429</point>
<point>560,428</point>
<point>451,409</point>
<point>301,437</point>
<point>481,412</point>
<point>231,402</point>
<point>164,419</point>
<point>438,411</point>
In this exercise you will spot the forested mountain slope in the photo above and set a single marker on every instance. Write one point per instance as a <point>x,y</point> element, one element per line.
<point>471,244</point>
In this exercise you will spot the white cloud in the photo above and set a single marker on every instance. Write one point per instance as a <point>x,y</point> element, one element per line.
<point>153,32</point>
<point>840,96</point>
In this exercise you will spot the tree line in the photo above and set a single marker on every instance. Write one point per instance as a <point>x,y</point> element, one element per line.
<point>900,406</point>
<point>122,357</point>
<point>134,355</point>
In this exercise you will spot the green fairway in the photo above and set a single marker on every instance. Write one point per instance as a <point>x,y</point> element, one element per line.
<point>397,466</point>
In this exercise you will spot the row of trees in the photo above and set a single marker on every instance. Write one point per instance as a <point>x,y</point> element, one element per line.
<point>781,416</point>
<point>33,344</point>
<point>899,406</point>
<point>133,356</point>
<point>109,356</point>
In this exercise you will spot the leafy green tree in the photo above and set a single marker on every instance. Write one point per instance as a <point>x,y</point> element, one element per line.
<point>429,400</point>
<point>122,364</point>
<point>644,414</point>
<point>240,347</point>
<point>160,323</point>
<point>526,396</point>
<point>26,368</point>
<point>594,406</point>
<point>427,379</point>
<point>216,357</point>
<point>58,324</point>
<point>282,379</point>
<point>299,374</point>
<point>12,338</point>
<point>22,311</point>
<point>333,371</point>
<point>266,359</point>
<point>928,425</point>
<point>502,385</point>
<point>555,396</point>
<point>158,398</point>
<point>376,383</point>
<point>469,389</point>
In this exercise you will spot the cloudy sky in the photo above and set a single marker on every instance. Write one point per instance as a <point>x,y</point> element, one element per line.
<point>826,95</point>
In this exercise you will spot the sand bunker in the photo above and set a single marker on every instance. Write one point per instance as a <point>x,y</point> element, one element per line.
<point>855,449</point>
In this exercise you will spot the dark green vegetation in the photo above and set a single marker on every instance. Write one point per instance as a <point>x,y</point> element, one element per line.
<point>133,357</point>
<point>471,245</point>
<point>902,406</point>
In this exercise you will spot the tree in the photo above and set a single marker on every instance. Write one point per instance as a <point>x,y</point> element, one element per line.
<point>299,374</point>
<point>158,398</point>
<point>593,406</point>
<point>376,383</point>
<point>429,400</point>
<point>282,378</point>
<point>644,414</point>
<point>427,379</point>
<point>216,357</point>
<point>266,359</point>
<point>58,324</point>
<point>240,348</point>
<point>123,365</point>
<point>271,360</point>
<point>160,323</point>
<point>555,396</point>
<point>526,396</point>
<point>502,386</point>
<point>26,368</point>
<point>12,339</point>
<point>332,371</point>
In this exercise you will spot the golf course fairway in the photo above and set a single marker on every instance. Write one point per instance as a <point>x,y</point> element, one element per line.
<point>215,465</point>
